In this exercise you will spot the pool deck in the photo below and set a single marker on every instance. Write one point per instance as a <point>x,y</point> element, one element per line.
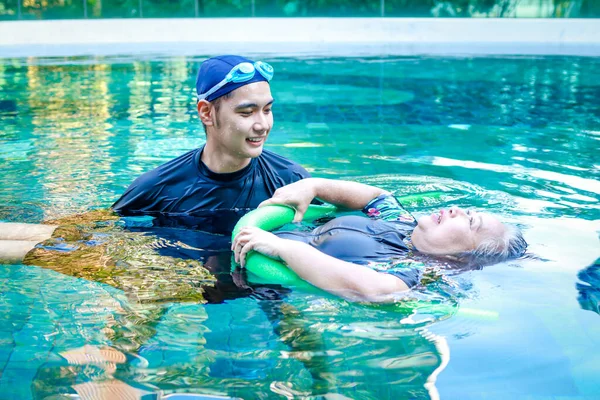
<point>302,36</point>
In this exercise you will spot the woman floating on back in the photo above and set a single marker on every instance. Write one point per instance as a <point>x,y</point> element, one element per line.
<point>333,256</point>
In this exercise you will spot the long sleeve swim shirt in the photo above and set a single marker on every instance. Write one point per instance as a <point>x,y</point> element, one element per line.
<point>184,192</point>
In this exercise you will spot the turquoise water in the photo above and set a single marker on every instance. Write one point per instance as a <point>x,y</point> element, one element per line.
<point>517,136</point>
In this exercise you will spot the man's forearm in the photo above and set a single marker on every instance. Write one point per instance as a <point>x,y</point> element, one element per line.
<point>352,195</point>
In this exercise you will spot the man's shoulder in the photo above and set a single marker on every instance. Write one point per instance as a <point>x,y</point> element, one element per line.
<point>278,161</point>
<point>147,190</point>
<point>287,169</point>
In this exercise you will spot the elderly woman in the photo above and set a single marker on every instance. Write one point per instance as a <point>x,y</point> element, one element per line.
<point>337,256</point>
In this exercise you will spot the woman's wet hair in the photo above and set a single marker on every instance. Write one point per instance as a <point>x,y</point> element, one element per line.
<point>509,246</point>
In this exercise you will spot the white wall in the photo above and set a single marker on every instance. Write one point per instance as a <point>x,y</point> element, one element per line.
<point>337,36</point>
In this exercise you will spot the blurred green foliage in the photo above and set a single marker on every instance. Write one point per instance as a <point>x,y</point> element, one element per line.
<point>62,9</point>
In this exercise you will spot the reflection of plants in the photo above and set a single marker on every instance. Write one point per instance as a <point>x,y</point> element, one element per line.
<point>92,247</point>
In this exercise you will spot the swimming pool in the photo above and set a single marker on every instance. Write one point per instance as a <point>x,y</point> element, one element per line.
<point>516,135</point>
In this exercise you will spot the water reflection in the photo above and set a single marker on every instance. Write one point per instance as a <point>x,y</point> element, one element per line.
<point>317,347</point>
<point>75,132</point>
<point>77,125</point>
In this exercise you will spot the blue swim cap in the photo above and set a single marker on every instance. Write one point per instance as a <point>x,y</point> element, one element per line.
<point>214,70</point>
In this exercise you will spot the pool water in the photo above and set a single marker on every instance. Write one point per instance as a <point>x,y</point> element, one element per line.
<point>517,136</point>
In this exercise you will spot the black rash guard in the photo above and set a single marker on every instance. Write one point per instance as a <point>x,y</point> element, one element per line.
<point>185,193</point>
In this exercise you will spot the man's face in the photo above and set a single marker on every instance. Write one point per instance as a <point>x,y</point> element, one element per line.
<point>454,231</point>
<point>243,121</point>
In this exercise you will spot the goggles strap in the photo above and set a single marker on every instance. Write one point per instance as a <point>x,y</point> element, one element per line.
<point>214,88</point>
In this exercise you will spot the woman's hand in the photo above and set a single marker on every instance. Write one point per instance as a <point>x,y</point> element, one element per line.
<point>297,195</point>
<point>256,239</point>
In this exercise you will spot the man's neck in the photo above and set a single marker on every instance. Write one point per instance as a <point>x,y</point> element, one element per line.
<point>222,162</point>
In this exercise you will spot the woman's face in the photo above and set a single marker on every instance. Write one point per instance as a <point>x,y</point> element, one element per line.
<point>455,231</point>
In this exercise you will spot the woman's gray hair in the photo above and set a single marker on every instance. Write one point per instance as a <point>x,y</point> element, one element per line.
<point>509,246</point>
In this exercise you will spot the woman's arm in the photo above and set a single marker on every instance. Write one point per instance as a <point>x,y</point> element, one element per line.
<point>351,281</point>
<point>351,195</point>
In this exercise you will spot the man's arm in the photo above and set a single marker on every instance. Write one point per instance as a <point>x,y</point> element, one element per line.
<point>351,195</point>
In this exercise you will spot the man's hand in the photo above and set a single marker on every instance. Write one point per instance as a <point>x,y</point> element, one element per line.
<point>297,195</point>
<point>251,238</point>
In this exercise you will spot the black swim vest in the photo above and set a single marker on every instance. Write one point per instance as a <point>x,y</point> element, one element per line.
<point>356,239</point>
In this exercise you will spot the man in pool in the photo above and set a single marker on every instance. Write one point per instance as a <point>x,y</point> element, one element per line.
<point>210,188</point>
<point>332,256</point>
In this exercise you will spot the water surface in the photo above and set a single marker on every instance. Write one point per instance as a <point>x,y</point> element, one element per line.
<point>517,136</point>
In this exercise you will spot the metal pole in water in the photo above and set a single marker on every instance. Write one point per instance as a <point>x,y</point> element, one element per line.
<point>382,4</point>
<point>85,9</point>
<point>196,8</point>
<point>19,16</point>
<point>253,8</point>
<point>141,9</point>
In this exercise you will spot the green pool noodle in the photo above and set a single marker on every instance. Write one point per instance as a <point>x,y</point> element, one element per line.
<point>269,218</point>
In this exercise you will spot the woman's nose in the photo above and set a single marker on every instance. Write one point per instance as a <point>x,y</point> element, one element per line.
<point>455,211</point>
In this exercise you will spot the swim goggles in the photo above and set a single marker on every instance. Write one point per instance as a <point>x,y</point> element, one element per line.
<point>242,72</point>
